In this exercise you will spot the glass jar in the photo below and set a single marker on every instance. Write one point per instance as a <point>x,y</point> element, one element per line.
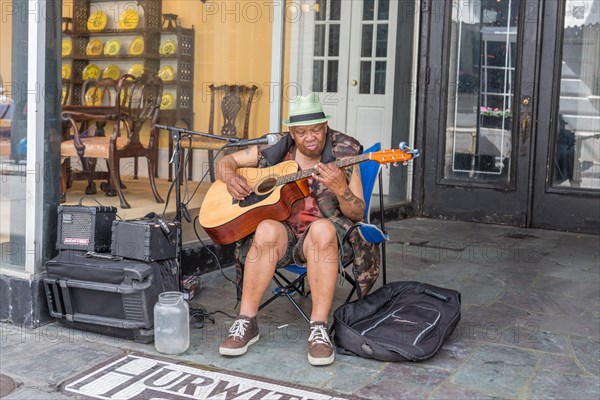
<point>171,323</point>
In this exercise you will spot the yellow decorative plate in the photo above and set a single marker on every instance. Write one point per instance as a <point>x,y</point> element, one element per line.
<point>93,97</point>
<point>112,47</point>
<point>97,21</point>
<point>166,73</point>
<point>129,19</point>
<point>94,47</point>
<point>137,70</point>
<point>168,47</point>
<point>91,71</point>
<point>66,71</point>
<point>112,71</point>
<point>63,95</point>
<point>137,46</point>
<point>167,101</point>
<point>67,47</point>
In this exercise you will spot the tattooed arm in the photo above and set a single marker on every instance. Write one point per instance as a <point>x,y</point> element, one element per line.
<point>349,195</point>
<point>351,201</point>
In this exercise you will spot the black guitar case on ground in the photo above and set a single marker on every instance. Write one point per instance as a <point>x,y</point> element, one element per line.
<point>401,321</point>
<point>107,295</point>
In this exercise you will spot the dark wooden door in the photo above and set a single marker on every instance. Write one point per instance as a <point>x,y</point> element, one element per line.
<point>491,115</point>
<point>566,189</point>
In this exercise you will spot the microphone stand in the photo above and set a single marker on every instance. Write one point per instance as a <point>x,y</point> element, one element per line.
<point>177,134</point>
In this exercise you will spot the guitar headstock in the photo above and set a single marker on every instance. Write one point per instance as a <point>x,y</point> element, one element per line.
<point>402,154</point>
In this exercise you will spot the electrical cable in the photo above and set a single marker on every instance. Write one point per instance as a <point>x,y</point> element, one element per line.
<point>100,204</point>
<point>202,179</point>
<point>214,255</point>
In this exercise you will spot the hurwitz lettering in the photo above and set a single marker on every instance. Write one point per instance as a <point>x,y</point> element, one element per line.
<point>136,377</point>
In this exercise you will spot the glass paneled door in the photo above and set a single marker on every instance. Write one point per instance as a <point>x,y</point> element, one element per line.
<point>346,52</point>
<point>514,135</point>
<point>567,175</point>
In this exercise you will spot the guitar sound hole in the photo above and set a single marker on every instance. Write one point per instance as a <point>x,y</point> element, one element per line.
<point>266,186</point>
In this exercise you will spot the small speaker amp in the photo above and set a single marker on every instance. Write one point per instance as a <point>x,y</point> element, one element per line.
<point>85,228</point>
<point>145,239</point>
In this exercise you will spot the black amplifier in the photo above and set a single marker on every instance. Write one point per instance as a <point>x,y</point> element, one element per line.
<point>85,228</point>
<point>145,239</point>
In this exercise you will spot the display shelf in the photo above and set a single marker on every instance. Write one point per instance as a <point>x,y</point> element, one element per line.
<point>155,28</point>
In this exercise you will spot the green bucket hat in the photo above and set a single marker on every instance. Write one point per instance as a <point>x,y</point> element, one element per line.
<point>306,110</point>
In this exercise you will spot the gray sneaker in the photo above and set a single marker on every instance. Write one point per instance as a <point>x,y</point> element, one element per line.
<point>242,334</point>
<point>320,349</point>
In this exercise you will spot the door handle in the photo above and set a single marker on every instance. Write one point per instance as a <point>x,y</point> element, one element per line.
<point>353,82</point>
<point>524,124</point>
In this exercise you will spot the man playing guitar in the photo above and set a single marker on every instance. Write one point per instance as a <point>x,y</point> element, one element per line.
<point>311,235</point>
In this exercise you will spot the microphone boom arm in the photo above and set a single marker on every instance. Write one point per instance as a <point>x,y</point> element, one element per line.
<point>188,132</point>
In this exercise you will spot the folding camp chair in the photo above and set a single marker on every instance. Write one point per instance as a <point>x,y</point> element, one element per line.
<point>370,171</point>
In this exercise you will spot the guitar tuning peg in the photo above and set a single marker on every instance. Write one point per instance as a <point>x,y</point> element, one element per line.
<point>405,163</point>
<point>395,164</point>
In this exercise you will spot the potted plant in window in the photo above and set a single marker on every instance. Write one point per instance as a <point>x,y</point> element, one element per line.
<point>493,118</point>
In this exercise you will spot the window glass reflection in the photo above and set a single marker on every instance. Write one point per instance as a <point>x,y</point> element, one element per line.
<point>383,9</point>
<point>320,10</point>
<point>479,124</point>
<point>382,40</point>
<point>319,40</point>
<point>334,40</point>
<point>380,77</point>
<point>367,41</point>
<point>576,159</point>
<point>368,10</point>
<point>13,139</point>
<point>365,77</point>
<point>332,75</point>
<point>318,72</point>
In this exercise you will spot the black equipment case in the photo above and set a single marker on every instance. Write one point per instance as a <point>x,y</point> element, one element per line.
<point>400,321</point>
<point>85,228</point>
<point>107,295</point>
<point>145,239</point>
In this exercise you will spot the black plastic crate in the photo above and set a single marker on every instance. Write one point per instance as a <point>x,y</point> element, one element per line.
<point>107,294</point>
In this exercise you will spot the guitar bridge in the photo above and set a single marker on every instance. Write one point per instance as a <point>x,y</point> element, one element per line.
<point>250,200</point>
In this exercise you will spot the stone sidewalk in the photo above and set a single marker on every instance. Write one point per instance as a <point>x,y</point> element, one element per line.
<point>530,326</point>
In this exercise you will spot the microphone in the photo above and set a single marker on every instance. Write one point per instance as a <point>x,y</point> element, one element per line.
<point>268,139</point>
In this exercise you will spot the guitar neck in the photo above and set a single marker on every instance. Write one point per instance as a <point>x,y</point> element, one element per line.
<point>341,163</point>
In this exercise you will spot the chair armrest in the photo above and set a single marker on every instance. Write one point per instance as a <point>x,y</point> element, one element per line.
<point>368,232</point>
<point>83,116</point>
<point>67,117</point>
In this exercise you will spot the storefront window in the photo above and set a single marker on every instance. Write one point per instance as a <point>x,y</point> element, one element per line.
<point>13,133</point>
<point>192,46</point>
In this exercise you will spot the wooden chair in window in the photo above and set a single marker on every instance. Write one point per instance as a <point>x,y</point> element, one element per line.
<point>230,107</point>
<point>97,97</point>
<point>136,104</point>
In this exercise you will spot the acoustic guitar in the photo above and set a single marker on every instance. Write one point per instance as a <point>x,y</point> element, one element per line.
<point>275,189</point>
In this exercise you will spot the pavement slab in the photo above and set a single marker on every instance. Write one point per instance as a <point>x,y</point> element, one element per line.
<point>552,385</point>
<point>497,370</point>
<point>587,353</point>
